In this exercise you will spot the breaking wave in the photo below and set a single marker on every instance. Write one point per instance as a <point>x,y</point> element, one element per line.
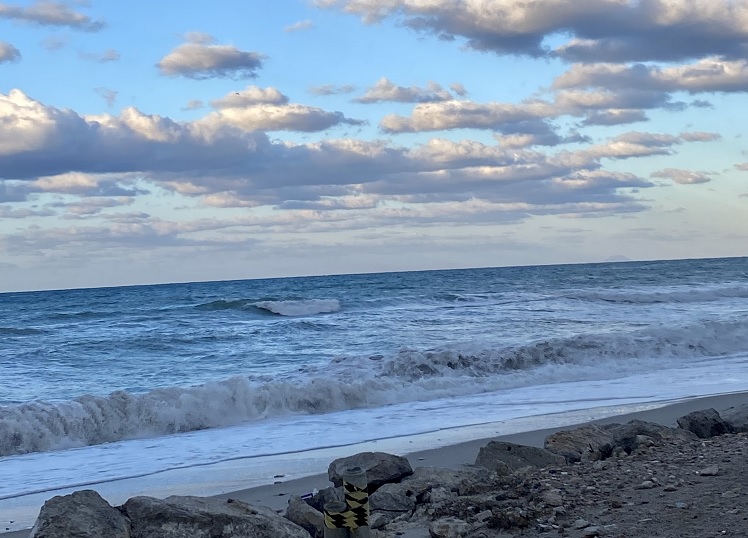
<point>664,295</point>
<point>305,307</point>
<point>352,382</point>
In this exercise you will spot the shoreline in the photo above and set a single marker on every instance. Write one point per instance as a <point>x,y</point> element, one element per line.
<point>455,455</point>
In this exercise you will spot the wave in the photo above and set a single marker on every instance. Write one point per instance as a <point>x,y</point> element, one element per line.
<point>663,295</point>
<point>17,331</point>
<point>302,307</point>
<point>352,382</point>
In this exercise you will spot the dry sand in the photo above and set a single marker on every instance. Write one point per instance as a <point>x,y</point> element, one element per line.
<point>610,497</point>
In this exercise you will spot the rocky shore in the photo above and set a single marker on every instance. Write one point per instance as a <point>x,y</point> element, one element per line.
<point>638,479</point>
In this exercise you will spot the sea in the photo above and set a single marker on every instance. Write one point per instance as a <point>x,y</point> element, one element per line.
<point>208,387</point>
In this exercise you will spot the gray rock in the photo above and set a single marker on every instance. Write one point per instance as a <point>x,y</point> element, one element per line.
<point>305,516</point>
<point>448,527</point>
<point>589,443</point>
<point>553,498</point>
<point>425,478</point>
<point>737,417</point>
<point>83,514</point>
<point>705,423</point>
<point>636,432</point>
<point>391,499</point>
<point>204,517</point>
<point>514,456</point>
<point>381,468</point>
<point>324,496</point>
<point>712,470</point>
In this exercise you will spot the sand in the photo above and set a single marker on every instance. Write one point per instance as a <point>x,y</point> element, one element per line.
<point>454,456</point>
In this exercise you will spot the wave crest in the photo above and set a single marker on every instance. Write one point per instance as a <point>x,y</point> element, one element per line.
<point>307,307</point>
<point>353,382</point>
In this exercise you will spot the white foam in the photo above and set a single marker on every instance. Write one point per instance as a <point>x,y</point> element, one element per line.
<point>351,383</point>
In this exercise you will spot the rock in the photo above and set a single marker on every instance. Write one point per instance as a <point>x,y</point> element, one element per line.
<point>591,532</point>
<point>305,516</point>
<point>581,524</point>
<point>324,496</point>
<point>636,432</point>
<point>552,498</point>
<point>83,514</point>
<point>205,517</point>
<point>392,499</point>
<point>712,470</point>
<point>704,424</point>
<point>737,417</point>
<point>381,468</point>
<point>514,457</point>
<point>424,479</point>
<point>587,442</point>
<point>448,527</point>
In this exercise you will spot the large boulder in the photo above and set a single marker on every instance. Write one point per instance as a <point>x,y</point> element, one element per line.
<point>83,514</point>
<point>589,443</point>
<point>737,417</point>
<point>205,517</point>
<point>496,454</point>
<point>705,423</point>
<point>418,486</point>
<point>628,436</point>
<point>305,516</point>
<point>381,468</point>
<point>324,496</point>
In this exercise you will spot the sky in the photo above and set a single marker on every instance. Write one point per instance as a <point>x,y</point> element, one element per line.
<point>151,142</point>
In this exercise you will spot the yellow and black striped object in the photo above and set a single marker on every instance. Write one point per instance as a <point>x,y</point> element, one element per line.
<point>354,512</point>
<point>357,500</point>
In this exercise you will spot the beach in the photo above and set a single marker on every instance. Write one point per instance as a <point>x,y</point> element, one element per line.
<point>456,456</point>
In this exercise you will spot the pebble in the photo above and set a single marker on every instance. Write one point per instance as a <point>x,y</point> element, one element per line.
<point>712,470</point>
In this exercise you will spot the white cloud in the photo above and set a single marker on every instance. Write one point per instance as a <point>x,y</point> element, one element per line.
<point>199,59</point>
<point>386,90</point>
<point>332,89</point>
<point>251,95</point>
<point>598,30</point>
<point>109,55</point>
<point>49,13</point>
<point>710,74</point>
<point>465,114</point>
<point>267,109</point>
<point>683,177</point>
<point>298,26</point>
<point>51,151</point>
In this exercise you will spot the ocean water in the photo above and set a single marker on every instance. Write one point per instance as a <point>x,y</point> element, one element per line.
<point>125,385</point>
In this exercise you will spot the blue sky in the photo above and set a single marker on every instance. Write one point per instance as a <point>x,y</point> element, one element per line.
<point>147,142</point>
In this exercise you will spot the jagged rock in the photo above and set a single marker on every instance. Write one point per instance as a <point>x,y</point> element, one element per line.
<point>737,417</point>
<point>391,499</point>
<point>712,470</point>
<point>515,456</point>
<point>584,443</point>
<point>628,436</point>
<point>381,468</point>
<point>324,496</point>
<point>205,517</point>
<point>553,498</point>
<point>448,527</point>
<point>425,478</point>
<point>705,423</point>
<point>305,516</point>
<point>83,514</point>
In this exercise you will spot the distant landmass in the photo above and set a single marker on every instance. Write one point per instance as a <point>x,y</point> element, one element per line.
<point>618,258</point>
